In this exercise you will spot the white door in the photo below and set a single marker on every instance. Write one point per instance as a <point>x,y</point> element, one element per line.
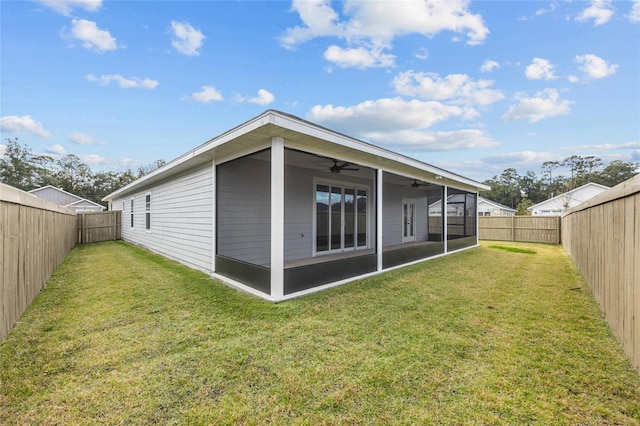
<point>408,220</point>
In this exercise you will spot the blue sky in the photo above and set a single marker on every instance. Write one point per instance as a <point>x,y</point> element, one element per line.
<point>474,87</point>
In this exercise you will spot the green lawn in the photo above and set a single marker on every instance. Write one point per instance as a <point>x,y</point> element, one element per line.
<point>485,336</point>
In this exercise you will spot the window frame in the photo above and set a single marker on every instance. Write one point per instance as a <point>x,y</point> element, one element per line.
<point>342,185</point>
<point>132,213</point>
<point>147,212</point>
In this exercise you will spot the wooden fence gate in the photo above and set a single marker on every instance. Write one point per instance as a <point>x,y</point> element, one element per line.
<point>99,226</point>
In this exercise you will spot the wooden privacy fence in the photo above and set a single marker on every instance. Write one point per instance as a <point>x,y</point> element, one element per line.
<point>520,228</point>
<point>35,237</point>
<point>99,226</point>
<point>602,236</point>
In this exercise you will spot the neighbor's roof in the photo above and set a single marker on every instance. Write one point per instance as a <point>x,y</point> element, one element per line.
<point>493,203</point>
<point>76,197</point>
<point>304,135</point>
<point>569,193</point>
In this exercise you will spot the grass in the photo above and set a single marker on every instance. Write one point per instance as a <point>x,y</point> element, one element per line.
<point>513,249</point>
<point>123,336</point>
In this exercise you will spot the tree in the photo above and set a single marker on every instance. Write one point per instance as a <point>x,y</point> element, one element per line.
<point>74,176</point>
<point>531,188</point>
<point>547,169</point>
<point>145,170</point>
<point>21,168</point>
<point>576,165</point>
<point>523,206</point>
<point>616,172</point>
<point>591,164</point>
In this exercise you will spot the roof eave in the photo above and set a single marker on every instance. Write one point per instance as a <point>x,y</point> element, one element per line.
<point>293,123</point>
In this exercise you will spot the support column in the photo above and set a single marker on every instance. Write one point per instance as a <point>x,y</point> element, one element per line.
<point>214,210</point>
<point>379,203</point>
<point>277,218</point>
<point>477,220</point>
<point>444,218</point>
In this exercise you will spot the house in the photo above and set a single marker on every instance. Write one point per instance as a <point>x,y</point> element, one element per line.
<point>491,208</point>
<point>281,207</point>
<point>485,208</point>
<point>66,199</point>
<point>557,205</point>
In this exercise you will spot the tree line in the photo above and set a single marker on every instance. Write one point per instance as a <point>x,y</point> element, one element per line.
<point>21,168</point>
<point>556,177</point>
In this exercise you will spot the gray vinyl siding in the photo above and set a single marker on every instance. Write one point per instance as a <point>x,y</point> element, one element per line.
<point>244,210</point>
<point>392,213</point>
<point>181,218</point>
<point>298,213</point>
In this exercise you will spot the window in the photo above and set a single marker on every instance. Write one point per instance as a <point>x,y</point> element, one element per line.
<point>147,209</point>
<point>340,217</point>
<point>131,214</point>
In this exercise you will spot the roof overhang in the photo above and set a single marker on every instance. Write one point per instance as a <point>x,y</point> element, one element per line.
<point>297,133</point>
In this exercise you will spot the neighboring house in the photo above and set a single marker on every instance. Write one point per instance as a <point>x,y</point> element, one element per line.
<point>281,207</point>
<point>557,205</point>
<point>66,199</point>
<point>491,208</point>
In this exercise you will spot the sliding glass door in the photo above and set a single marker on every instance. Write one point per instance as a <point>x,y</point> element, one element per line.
<point>340,217</point>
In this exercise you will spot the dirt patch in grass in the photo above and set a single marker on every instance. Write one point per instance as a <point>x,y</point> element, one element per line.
<point>123,336</point>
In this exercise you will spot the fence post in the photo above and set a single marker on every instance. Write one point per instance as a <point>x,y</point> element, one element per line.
<point>513,228</point>
<point>84,229</point>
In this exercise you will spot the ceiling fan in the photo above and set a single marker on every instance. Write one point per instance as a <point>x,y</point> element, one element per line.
<point>416,184</point>
<point>337,168</point>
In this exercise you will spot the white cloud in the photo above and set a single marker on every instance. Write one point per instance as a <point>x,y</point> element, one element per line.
<point>603,147</point>
<point>83,139</point>
<point>488,65</point>
<point>56,149</point>
<point>401,124</point>
<point>23,124</point>
<point>383,115</point>
<point>634,13</point>
<point>423,141</point>
<point>553,6</point>
<point>423,53</point>
<point>540,69</point>
<point>264,98</point>
<point>521,158</point>
<point>371,26</point>
<point>187,39</point>
<point>594,66</point>
<point>92,37</point>
<point>544,104</point>
<point>359,57</point>
<point>456,88</point>
<point>124,83</point>
<point>206,95</point>
<point>65,7</point>
<point>92,159</point>
<point>600,11</point>
<point>319,20</point>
